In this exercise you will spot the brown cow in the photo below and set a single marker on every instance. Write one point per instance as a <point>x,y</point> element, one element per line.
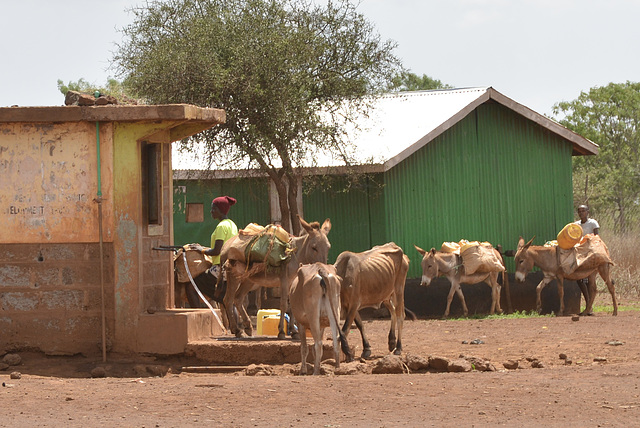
<point>368,279</point>
<point>312,246</point>
<point>315,304</point>
<point>438,263</point>
<point>546,258</point>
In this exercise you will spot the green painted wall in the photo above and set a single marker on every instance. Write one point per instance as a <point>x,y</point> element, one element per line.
<point>252,206</point>
<point>357,222</point>
<point>493,177</point>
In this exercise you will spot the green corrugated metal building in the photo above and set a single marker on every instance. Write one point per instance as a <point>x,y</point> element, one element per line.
<point>455,164</point>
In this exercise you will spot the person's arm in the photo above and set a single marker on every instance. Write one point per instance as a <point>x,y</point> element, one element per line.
<point>215,251</point>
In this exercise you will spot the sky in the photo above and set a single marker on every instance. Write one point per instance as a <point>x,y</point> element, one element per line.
<point>536,52</point>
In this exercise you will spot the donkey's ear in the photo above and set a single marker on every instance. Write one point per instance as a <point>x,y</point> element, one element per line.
<point>420,250</point>
<point>326,226</point>
<point>433,251</point>
<point>306,226</point>
<point>520,242</point>
<point>530,241</point>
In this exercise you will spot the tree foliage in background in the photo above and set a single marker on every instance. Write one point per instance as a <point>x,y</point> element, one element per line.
<point>281,69</point>
<point>408,81</point>
<point>114,87</point>
<point>610,181</point>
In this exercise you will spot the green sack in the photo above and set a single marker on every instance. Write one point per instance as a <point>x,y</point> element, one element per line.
<point>267,248</point>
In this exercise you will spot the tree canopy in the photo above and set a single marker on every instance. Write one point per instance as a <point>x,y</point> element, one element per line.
<point>281,69</point>
<point>408,81</point>
<point>113,87</point>
<point>610,181</point>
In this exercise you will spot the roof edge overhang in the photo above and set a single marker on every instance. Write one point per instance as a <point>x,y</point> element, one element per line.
<point>221,174</point>
<point>581,146</point>
<point>113,113</point>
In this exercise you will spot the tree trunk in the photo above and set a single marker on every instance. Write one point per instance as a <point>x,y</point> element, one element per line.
<point>282,200</point>
<point>292,196</point>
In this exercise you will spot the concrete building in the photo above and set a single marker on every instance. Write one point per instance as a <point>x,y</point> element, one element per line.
<point>85,195</point>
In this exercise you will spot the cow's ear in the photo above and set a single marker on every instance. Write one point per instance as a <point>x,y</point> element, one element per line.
<point>326,226</point>
<point>420,250</point>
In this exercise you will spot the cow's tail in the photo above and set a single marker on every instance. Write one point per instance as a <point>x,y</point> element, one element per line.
<point>331,311</point>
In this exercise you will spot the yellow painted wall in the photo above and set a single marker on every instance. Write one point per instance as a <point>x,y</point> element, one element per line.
<point>48,182</point>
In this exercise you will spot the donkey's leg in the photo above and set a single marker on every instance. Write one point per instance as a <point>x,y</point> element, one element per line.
<point>366,346</point>
<point>560,284</point>
<point>392,339</point>
<point>452,290</point>
<point>465,310</point>
<point>539,289</point>
<point>605,273</point>
<point>230,301</point>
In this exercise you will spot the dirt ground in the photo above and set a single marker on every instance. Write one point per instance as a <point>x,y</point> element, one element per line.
<point>596,385</point>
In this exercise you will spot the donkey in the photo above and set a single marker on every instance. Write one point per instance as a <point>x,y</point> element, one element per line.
<point>546,258</point>
<point>370,278</point>
<point>438,263</point>
<point>312,246</point>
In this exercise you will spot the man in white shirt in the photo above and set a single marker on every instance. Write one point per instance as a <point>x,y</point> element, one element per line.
<point>589,225</point>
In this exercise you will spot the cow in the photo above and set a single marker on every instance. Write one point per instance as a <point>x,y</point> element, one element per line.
<point>315,304</point>
<point>312,246</point>
<point>370,278</point>
<point>546,258</point>
<point>438,263</point>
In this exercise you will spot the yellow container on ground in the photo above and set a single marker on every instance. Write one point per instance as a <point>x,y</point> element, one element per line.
<point>270,326</point>
<point>569,236</point>
<point>262,315</point>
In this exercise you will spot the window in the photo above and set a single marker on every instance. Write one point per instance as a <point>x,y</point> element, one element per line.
<point>195,213</point>
<point>152,182</point>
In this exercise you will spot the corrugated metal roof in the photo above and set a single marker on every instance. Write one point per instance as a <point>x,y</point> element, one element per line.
<point>401,123</point>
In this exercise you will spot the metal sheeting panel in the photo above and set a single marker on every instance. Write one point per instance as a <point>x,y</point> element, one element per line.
<point>352,225</point>
<point>492,177</point>
<point>252,206</point>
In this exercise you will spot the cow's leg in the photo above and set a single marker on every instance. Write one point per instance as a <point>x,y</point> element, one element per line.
<point>605,273</point>
<point>304,349</point>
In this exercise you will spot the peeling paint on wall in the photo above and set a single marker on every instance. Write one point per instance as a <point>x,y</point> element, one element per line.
<point>48,180</point>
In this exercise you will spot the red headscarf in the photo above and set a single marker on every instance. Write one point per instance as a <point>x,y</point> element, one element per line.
<point>223,203</point>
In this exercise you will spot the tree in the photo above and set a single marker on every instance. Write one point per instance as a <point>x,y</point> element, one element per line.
<point>289,74</point>
<point>113,87</point>
<point>408,81</point>
<point>609,116</point>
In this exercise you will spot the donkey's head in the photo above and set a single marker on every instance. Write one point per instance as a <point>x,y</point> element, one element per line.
<point>315,246</point>
<point>429,265</point>
<point>523,259</point>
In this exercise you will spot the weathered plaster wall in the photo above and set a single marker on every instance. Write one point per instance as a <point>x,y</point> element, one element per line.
<point>50,297</point>
<point>50,283</point>
<point>135,260</point>
<point>48,182</point>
